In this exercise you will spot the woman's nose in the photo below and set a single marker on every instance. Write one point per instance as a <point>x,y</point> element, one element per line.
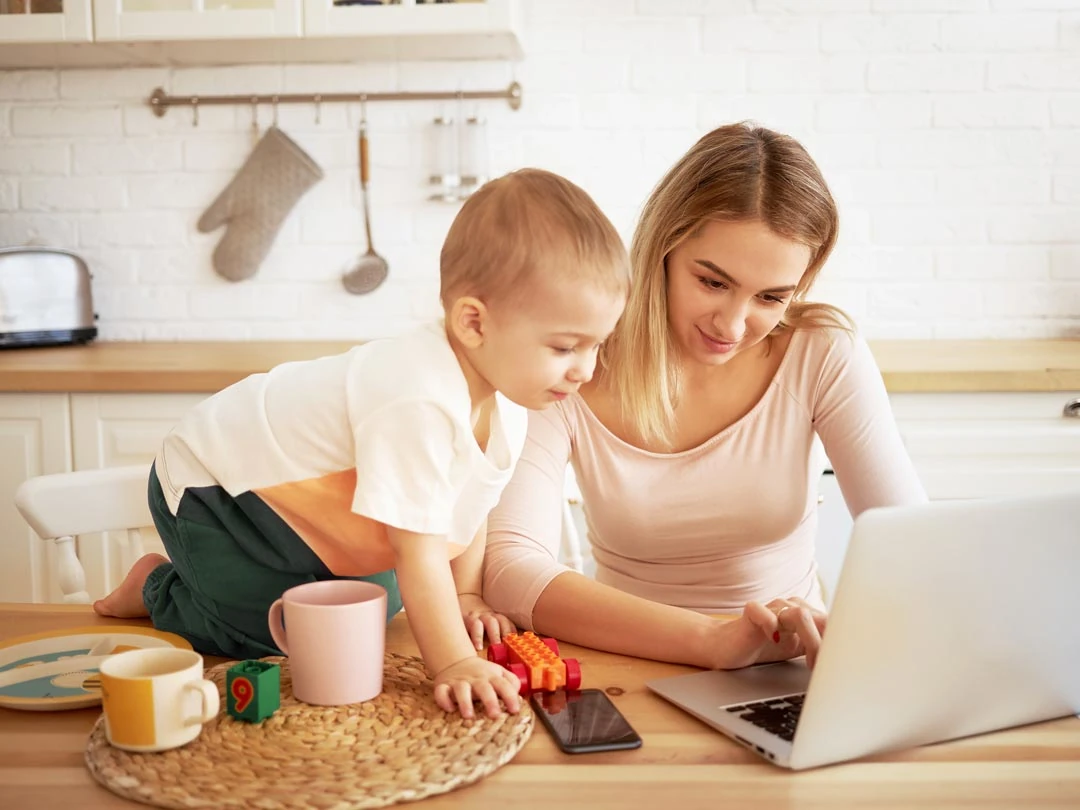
<point>730,323</point>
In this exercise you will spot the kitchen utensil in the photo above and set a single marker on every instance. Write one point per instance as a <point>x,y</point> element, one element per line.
<point>44,298</point>
<point>370,269</point>
<point>98,653</point>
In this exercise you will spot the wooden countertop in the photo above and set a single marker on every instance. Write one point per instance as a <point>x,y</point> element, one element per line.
<point>682,763</point>
<point>907,366</point>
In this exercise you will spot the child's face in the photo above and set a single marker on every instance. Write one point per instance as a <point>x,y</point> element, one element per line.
<point>542,350</point>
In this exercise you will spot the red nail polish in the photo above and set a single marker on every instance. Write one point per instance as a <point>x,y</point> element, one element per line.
<point>776,636</point>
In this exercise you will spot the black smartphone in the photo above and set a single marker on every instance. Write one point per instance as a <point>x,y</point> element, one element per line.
<point>584,721</point>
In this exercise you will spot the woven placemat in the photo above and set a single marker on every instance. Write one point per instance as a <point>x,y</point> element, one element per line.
<point>398,747</point>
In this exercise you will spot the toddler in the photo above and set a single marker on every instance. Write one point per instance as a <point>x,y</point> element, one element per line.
<point>382,463</point>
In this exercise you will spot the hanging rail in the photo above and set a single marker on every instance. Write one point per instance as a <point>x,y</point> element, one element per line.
<point>160,101</point>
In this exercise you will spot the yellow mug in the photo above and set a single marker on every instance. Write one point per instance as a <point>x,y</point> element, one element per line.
<point>155,699</point>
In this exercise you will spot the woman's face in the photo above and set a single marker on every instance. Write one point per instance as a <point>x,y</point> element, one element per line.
<point>728,287</point>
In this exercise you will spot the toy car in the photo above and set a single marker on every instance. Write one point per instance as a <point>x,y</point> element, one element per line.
<point>536,662</point>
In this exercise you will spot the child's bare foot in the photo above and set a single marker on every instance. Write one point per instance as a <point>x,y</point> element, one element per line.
<point>126,601</point>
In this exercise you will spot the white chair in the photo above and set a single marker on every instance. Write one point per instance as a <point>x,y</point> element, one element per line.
<point>61,506</point>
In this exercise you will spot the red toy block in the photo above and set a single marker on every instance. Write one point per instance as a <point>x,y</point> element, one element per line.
<point>536,662</point>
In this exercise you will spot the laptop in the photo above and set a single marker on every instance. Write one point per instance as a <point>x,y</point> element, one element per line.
<point>950,619</point>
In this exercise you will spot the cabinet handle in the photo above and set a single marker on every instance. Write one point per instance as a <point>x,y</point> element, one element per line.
<point>1072,408</point>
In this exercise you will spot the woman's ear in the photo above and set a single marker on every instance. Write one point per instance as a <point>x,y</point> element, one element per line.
<point>467,320</point>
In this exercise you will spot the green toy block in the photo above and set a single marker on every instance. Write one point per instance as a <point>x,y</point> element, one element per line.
<point>253,690</point>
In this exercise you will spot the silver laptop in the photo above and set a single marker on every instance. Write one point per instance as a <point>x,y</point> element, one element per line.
<point>950,619</point>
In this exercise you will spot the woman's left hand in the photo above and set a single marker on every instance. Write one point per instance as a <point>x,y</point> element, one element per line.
<point>778,631</point>
<point>480,619</point>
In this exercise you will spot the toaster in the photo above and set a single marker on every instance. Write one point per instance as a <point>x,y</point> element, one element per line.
<point>44,298</point>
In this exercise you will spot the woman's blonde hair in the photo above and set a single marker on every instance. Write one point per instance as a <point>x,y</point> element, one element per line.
<point>738,172</point>
<point>524,225</point>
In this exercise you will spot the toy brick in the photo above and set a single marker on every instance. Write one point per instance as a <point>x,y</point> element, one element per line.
<point>253,690</point>
<point>536,662</point>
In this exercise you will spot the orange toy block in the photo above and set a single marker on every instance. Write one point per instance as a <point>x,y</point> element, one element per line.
<point>536,662</point>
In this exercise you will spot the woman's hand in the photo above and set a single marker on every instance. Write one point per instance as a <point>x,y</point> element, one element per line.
<point>480,619</point>
<point>778,631</point>
<point>457,686</point>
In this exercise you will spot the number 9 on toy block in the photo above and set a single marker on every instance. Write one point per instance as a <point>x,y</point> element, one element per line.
<point>252,690</point>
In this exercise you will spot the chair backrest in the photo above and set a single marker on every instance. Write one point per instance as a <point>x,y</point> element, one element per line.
<point>68,504</point>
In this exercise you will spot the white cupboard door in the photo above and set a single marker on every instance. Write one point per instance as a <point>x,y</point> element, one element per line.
<point>133,20</point>
<point>322,18</point>
<point>45,21</point>
<point>111,430</point>
<point>991,445</point>
<point>35,431</point>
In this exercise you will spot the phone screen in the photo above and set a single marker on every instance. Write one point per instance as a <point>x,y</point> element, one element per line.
<point>584,721</point>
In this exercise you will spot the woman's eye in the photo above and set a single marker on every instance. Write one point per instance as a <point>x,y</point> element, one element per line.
<point>772,299</point>
<point>562,349</point>
<point>711,283</point>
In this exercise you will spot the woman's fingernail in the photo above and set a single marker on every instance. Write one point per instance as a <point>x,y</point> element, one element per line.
<point>776,636</point>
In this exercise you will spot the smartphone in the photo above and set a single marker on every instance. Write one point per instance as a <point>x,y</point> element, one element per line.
<point>584,721</point>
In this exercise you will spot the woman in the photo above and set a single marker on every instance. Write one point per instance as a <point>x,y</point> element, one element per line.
<point>692,444</point>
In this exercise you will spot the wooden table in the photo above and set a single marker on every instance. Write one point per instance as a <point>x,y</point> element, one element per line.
<point>683,764</point>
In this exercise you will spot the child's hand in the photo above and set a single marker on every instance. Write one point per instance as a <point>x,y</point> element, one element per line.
<point>473,678</point>
<point>479,618</point>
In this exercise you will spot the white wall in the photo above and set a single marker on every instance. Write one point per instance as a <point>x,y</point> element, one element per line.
<point>949,130</point>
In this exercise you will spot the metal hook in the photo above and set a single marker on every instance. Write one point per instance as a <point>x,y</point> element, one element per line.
<point>274,101</point>
<point>194,111</point>
<point>318,109</point>
<point>363,109</point>
<point>254,115</point>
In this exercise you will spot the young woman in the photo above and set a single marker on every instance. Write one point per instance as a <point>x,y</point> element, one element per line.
<point>693,444</point>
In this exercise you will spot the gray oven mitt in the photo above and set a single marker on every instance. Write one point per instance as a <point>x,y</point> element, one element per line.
<point>275,176</point>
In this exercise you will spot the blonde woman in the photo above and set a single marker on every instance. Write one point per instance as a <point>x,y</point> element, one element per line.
<point>692,445</point>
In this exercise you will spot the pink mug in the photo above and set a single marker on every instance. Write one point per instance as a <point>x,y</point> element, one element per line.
<point>335,639</point>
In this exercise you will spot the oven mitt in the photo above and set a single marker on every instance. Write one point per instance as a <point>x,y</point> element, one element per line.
<point>275,176</point>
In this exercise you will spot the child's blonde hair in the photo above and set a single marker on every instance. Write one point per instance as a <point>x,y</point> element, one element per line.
<point>526,225</point>
<point>735,173</point>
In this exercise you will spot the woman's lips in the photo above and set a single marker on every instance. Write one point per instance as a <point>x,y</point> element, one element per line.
<point>717,346</point>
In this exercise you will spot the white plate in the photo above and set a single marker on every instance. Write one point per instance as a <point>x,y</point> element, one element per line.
<point>80,687</point>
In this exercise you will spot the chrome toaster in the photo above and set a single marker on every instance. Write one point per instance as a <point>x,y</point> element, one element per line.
<point>44,298</point>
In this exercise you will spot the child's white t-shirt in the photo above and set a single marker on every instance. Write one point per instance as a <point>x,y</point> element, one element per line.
<point>342,447</point>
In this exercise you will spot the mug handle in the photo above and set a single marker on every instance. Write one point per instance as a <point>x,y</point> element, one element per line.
<point>210,702</point>
<point>277,627</point>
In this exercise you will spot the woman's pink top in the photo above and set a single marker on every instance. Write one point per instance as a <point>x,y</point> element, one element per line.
<point>710,528</point>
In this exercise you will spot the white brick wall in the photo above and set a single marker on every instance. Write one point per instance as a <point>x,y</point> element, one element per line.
<point>949,130</point>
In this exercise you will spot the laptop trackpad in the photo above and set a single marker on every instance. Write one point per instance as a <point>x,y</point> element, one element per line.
<point>761,682</point>
<point>725,688</point>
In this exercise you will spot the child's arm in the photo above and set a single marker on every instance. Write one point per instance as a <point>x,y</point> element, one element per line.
<point>430,597</point>
<point>468,569</point>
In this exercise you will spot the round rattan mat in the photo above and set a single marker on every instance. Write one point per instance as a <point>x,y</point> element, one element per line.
<point>398,747</point>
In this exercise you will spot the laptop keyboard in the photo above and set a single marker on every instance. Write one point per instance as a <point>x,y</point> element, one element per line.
<point>777,715</point>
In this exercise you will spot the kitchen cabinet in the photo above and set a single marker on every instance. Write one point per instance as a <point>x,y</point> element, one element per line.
<point>323,18</point>
<point>970,445</point>
<point>992,445</point>
<point>35,439</point>
<point>191,32</point>
<point>113,430</point>
<point>964,445</point>
<point>134,20</point>
<point>46,21</point>
<point>49,433</point>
